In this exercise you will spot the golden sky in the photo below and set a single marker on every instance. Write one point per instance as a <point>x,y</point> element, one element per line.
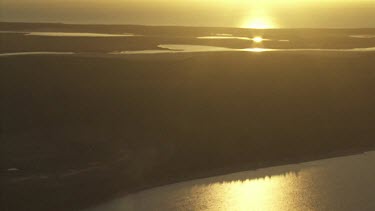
<point>233,13</point>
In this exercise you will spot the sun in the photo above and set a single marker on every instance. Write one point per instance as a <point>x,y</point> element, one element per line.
<point>259,23</point>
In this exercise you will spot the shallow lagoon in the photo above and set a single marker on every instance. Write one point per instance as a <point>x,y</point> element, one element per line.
<point>34,53</point>
<point>76,34</point>
<point>67,34</point>
<point>176,48</point>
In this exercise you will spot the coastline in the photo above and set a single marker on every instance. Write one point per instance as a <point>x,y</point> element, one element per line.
<point>250,167</point>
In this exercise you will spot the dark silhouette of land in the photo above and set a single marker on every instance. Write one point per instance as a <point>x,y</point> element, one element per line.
<point>81,129</point>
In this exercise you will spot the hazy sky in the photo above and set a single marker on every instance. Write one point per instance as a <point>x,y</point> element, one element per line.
<point>234,13</point>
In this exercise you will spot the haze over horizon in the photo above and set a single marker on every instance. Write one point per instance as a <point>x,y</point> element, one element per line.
<point>219,13</point>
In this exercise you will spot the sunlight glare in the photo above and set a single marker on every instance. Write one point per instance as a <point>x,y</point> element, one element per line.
<point>259,23</point>
<point>270,193</point>
<point>257,50</point>
<point>258,39</point>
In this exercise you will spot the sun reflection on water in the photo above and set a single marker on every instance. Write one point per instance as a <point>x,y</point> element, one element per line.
<point>344,183</point>
<point>257,50</point>
<point>269,193</point>
<point>258,39</point>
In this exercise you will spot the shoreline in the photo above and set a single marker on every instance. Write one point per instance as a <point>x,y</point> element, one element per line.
<point>238,169</point>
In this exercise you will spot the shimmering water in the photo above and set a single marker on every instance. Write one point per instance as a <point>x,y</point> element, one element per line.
<point>345,183</point>
<point>363,36</point>
<point>165,49</point>
<point>231,37</point>
<point>176,48</point>
<point>34,53</point>
<point>222,37</point>
<point>67,34</point>
<point>76,34</point>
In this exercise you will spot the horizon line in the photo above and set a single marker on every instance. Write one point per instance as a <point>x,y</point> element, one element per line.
<point>173,25</point>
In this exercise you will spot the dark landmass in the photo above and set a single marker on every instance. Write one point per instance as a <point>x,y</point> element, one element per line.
<point>82,129</point>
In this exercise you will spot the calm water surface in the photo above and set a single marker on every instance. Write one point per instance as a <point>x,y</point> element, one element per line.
<point>34,53</point>
<point>67,34</point>
<point>363,36</point>
<point>345,183</point>
<point>177,48</point>
<point>76,34</point>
